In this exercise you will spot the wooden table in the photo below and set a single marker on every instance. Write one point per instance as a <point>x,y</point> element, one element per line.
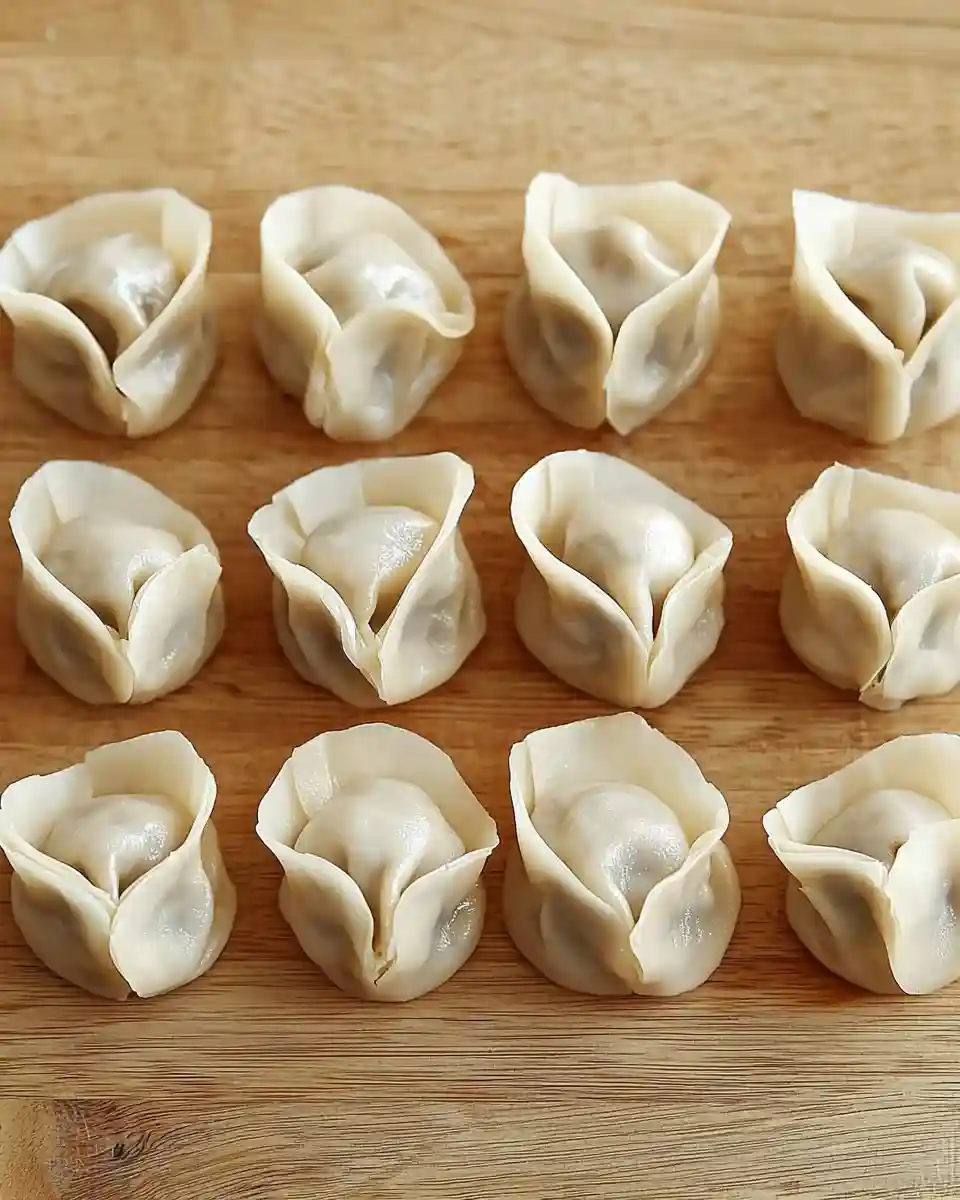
<point>261,1080</point>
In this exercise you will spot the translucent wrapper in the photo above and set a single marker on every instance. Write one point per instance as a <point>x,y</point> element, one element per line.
<point>363,313</point>
<point>136,897</point>
<point>884,620</point>
<point>375,596</point>
<point>120,598</point>
<point>871,343</point>
<point>620,882</point>
<point>617,311</point>
<point>382,845</point>
<point>112,328</point>
<point>873,852</point>
<point>622,596</point>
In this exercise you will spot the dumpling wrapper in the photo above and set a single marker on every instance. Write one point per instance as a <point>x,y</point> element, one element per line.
<point>871,343</point>
<point>873,852</point>
<point>382,845</point>
<point>363,315</point>
<point>120,599</point>
<point>622,596</point>
<point>369,556</point>
<point>620,882</point>
<point>112,326</point>
<point>617,311</point>
<point>118,883</point>
<point>375,595</point>
<point>871,600</point>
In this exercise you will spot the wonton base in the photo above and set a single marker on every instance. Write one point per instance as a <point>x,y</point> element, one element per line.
<point>74,398</point>
<point>89,681</point>
<point>796,616</point>
<point>351,685</point>
<point>872,973</point>
<point>584,972</point>
<point>623,686</point>
<point>454,945</point>
<point>100,979</point>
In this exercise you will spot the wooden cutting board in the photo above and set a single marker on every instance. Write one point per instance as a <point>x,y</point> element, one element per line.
<point>261,1080</point>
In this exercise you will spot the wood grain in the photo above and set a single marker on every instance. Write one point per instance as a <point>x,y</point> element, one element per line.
<point>774,1079</point>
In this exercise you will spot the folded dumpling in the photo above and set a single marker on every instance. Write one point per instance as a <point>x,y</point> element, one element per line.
<point>871,600</point>
<point>871,344</point>
<point>112,328</point>
<point>620,881</point>
<point>120,599</point>
<point>363,312</point>
<point>622,596</point>
<point>118,883</point>
<point>617,311</point>
<point>382,844</point>
<point>375,596</point>
<point>873,851</point>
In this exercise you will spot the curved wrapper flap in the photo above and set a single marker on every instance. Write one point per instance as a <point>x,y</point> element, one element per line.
<point>557,335</point>
<point>838,366</point>
<point>384,364</point>
<point>922,886</point>
<point>188,903</point>
<point>549,874</point>
<point>68,930</point>
<point>666,342</point>
<point>173,922</point>
<point>170,924</point>
<point>176,617</point>
<point>313,883</point>
<point>323,900</point>
<point>838,625</point>
<point>641,672</point>
<point>851,639</point>
<point>171,612</point>
<point>153,381</point>
<point>870,913</point>
<point>707,891</point>
<point>340,371</point>
<point>659,952</point>
<point>398,666</point>
<point>925,657</point>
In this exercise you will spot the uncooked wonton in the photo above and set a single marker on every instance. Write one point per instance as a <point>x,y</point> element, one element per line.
<point>112,328</point>
<point>382,844</point>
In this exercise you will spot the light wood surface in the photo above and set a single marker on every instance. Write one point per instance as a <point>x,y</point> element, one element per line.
<point>260,1080</point>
